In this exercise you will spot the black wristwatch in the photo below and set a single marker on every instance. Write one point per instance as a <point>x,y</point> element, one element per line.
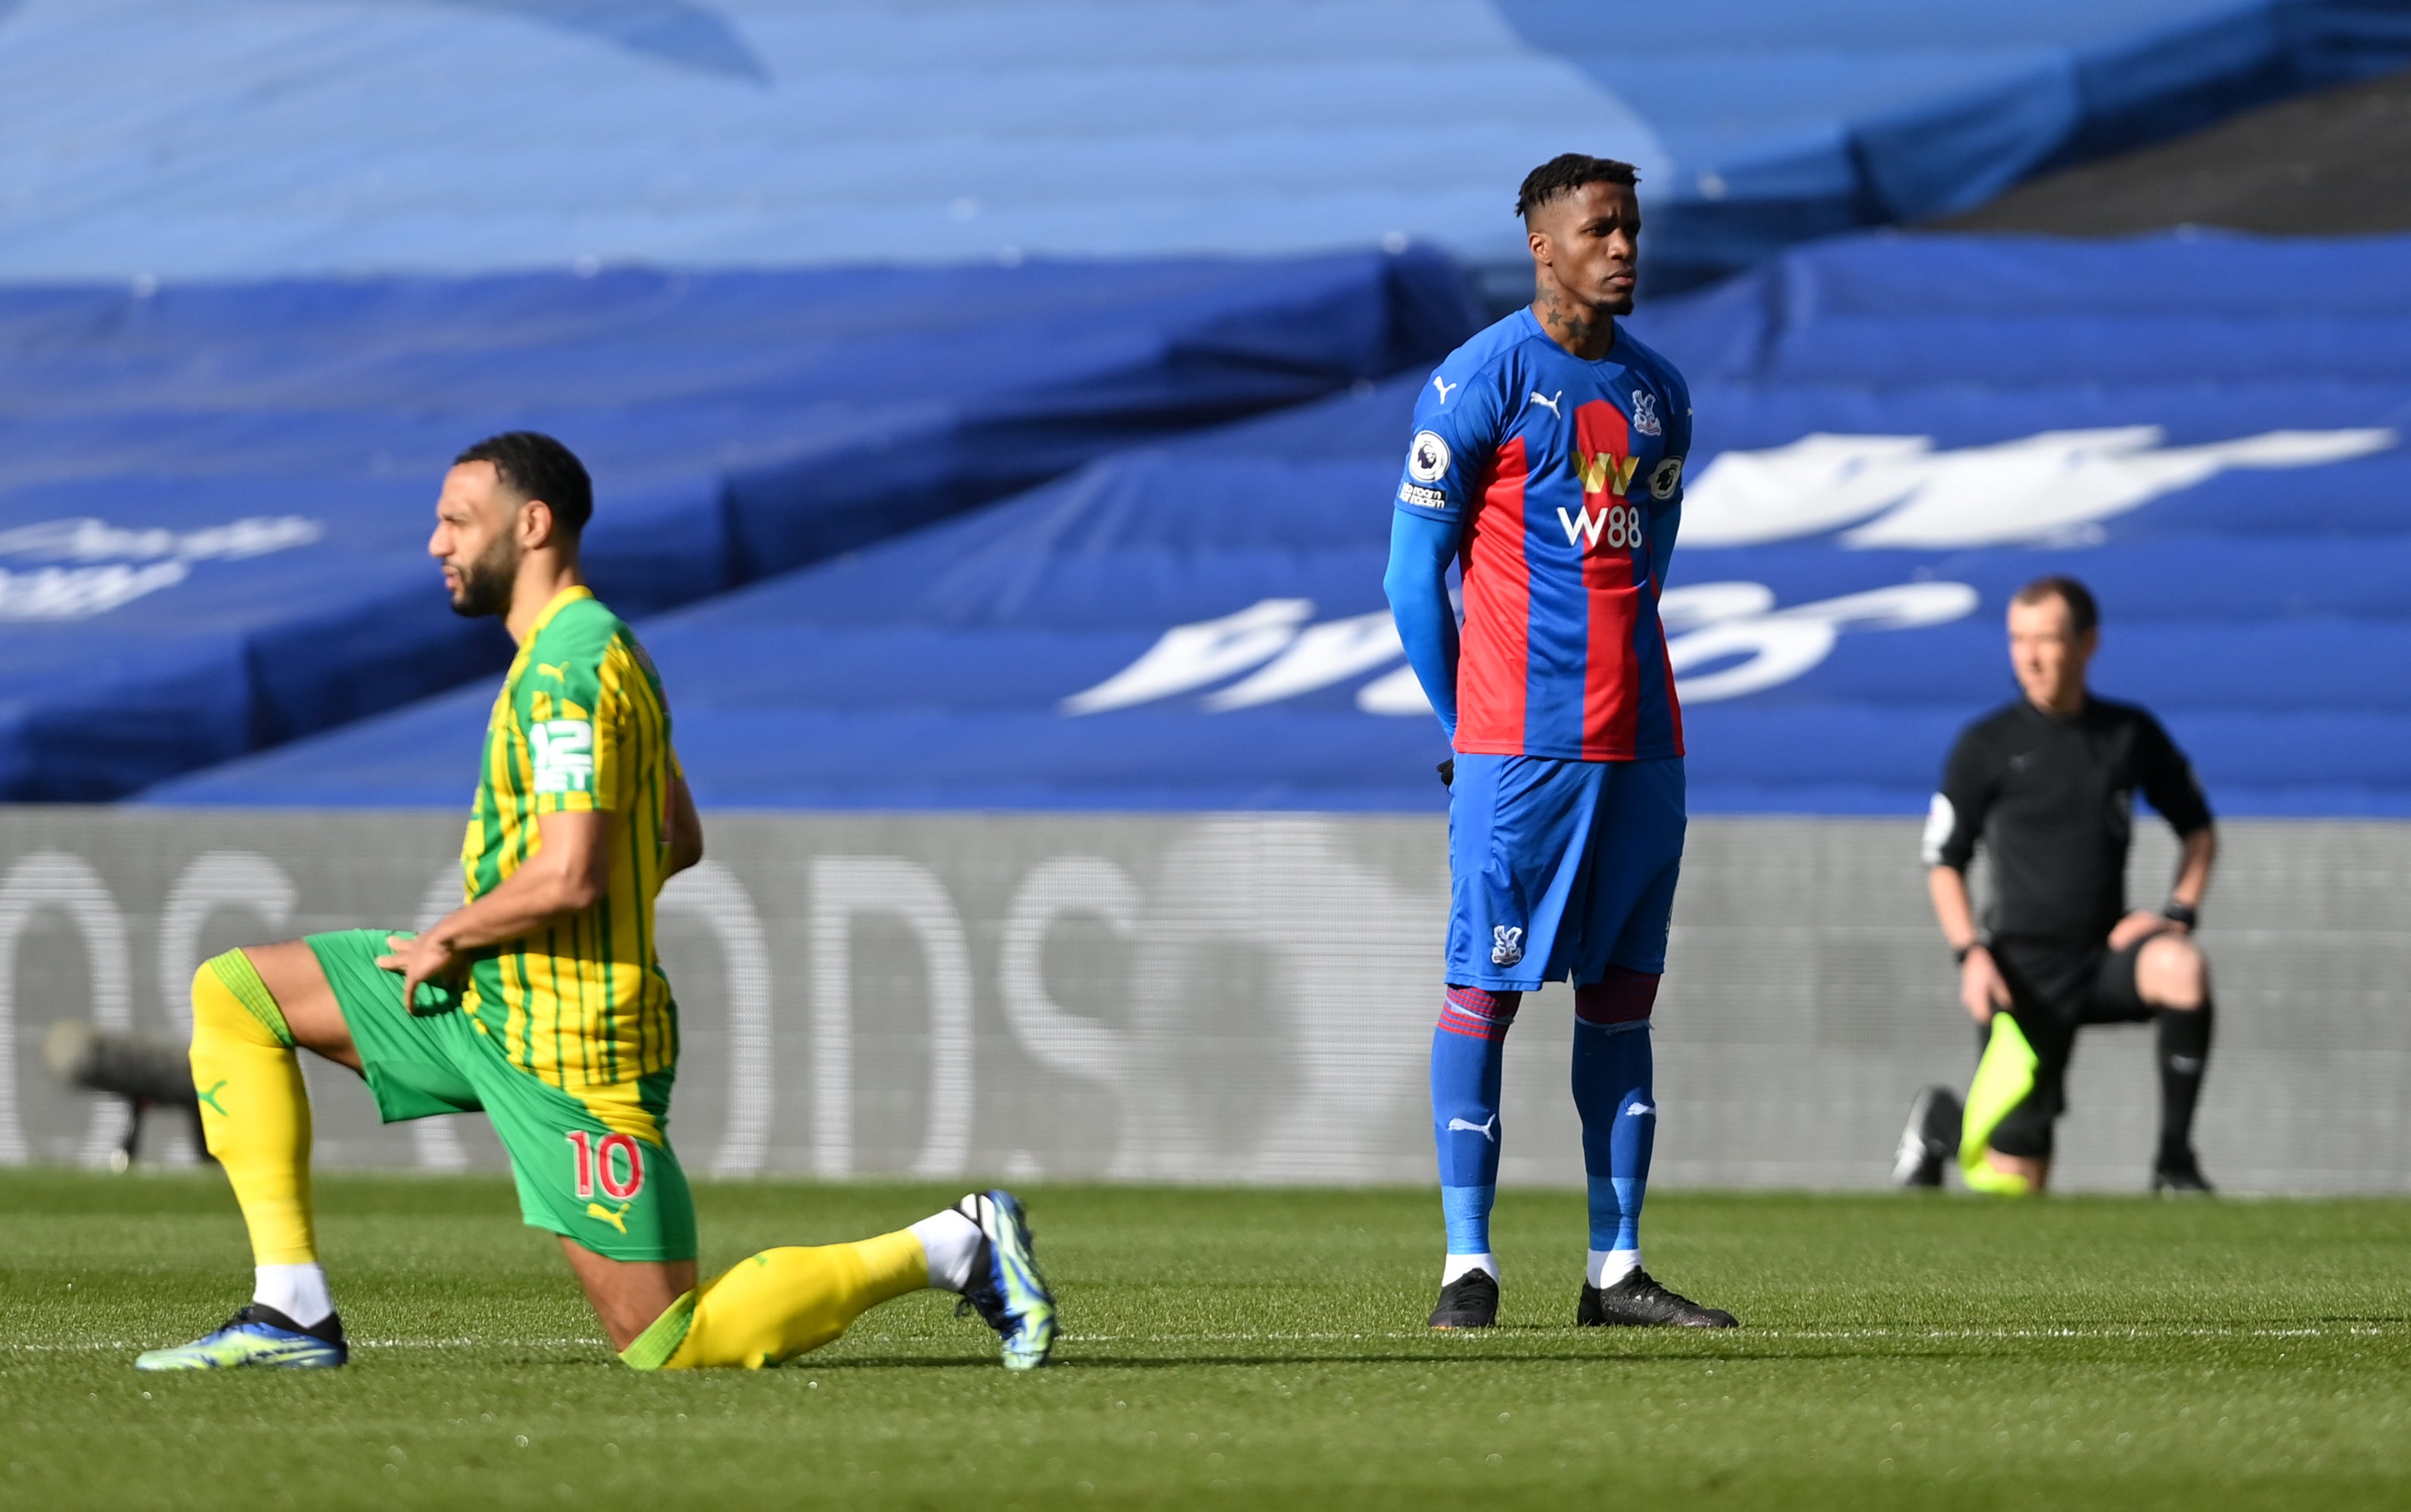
<point>1961,954</point>
<point>2177,913</point>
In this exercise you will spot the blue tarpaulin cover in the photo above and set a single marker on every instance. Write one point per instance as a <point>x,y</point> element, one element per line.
<point>214,499</point>
<point>245,137</point>
<point>1893,433</point>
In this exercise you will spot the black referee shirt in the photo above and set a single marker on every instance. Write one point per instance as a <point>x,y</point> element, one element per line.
<point>2053,800</point>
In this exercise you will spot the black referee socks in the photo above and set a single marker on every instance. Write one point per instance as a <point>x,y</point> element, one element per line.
<point>2184,1055</point>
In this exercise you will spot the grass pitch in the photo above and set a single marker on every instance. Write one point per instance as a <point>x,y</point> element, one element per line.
<point>1246,1349</point>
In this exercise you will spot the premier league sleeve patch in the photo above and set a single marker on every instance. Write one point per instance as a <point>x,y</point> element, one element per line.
<point>1428,459</point>
<point>1666,477</point>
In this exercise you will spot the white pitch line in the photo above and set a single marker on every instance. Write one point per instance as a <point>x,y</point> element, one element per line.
<point>1461,1338</point>
<point>372,1344</point>
<point>479,1343</point>
<point>1468,1334</point>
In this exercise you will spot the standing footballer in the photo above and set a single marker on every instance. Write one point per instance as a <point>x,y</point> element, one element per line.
<point>1547,462</point>
<point>2047,783</point>
<point>540,1002</point>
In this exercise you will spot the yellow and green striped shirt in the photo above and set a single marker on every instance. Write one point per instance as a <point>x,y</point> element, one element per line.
<point>580,725</point>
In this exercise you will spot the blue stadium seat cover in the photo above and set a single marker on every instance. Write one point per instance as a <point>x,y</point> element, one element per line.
<point>1199,625</point>
<point>155,138</point>
<point>215,499</point>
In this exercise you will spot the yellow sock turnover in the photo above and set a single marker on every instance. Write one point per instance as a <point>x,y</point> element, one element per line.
<point>255,1110</point>
<point>780,1303</point>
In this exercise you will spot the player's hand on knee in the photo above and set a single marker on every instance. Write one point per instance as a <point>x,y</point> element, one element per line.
<point>423,959</point>
<point>2138,925</point>
<point>1982,990</point>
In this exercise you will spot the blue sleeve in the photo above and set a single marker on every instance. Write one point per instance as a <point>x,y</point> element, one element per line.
<point>1458,421</point>
<point>1416,583</point>
<point>1666,482</point>
<point>1457,425</point>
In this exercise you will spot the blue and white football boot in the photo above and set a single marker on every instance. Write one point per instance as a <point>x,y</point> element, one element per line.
<point>1005,1285</point>
<point>258,1335</point>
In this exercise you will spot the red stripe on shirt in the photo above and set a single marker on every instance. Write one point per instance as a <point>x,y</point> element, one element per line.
<point>1611,668</point>
<point>1493,661</point>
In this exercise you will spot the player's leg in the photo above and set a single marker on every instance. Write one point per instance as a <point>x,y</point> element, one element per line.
<point>2168,979</point>
<point>252,1009</point>
<point>627,1295</point>
<point>767,1308</point>
<point>1635,861</point>
<point>1507,882</point>
<point>594,1169</point>
<point>783,1302</point>
<point>1467,1062</point>
<point>1615,1074</point>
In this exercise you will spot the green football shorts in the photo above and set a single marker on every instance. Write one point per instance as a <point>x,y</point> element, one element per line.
<point>615,1192</point>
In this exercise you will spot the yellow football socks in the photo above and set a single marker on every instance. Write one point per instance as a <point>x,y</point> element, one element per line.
<point>255,1111</point>
<point>780,1303</point>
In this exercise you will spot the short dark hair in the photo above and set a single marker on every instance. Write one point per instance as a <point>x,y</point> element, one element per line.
<point>1565,173</point>
<point>2083,612</point>
<point>536,466</point>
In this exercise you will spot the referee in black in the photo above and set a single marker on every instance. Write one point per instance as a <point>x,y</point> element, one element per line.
<point>2046,784</point>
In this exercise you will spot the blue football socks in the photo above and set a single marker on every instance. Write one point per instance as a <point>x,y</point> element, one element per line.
<point>1612,1071</point>
<point>1468,1053</point>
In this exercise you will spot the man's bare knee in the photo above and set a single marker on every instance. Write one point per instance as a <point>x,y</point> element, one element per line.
<point>2171,973</point>
<point>2036,1173</point>
<point>290,972</point>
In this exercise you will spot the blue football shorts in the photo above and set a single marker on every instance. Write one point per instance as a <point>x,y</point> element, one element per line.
<point>1558,870</point>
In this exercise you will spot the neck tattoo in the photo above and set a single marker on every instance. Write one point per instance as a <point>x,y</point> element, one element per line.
<point>1571,325</point>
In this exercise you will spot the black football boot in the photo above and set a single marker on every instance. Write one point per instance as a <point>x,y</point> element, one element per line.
<point>2178,1174</point>
<point>1929,1141</point>
<point>1469,1302</point>
<point>1638,1302</point>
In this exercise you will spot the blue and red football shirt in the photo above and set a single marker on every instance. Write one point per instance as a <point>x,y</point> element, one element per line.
<point>1566,478</point>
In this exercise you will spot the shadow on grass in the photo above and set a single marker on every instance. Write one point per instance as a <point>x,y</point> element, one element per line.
<point>1553,1357</point>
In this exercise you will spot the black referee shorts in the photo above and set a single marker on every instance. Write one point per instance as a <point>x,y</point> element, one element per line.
<point>2055,990</point>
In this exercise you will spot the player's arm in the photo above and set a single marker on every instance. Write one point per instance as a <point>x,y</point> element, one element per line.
<point>569,872</point>
<point>1952,822</point>
<point>2168,781</point>
<point>683,834</point>
<point>1666,482</point>
<point>1458,421</point>
<point>2201,853</point>
<point>1416,583</point>
<point>578,756</point>
<point>1666,519</point>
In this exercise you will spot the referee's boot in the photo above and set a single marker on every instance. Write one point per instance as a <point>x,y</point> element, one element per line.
<point>1637,1301</point>
<point>1928,1139</point>
<point>2178,1173</point>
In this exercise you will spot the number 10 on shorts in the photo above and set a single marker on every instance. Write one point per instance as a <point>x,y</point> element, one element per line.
<point>601,1162</point>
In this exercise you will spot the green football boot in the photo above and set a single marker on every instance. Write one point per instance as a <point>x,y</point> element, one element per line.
<point>1005,1285</point>
<point>259,1335</point>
